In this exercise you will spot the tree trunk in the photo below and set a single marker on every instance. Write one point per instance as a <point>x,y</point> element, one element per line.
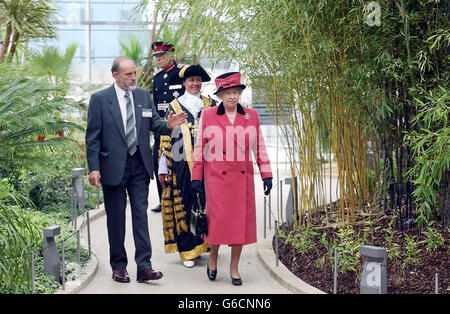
<point>12,50</point>
<point>199,53</point>
<point>180,54</point>
<point>6,42</point>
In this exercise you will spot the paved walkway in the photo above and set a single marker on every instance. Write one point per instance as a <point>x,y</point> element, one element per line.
<point>177,278</point>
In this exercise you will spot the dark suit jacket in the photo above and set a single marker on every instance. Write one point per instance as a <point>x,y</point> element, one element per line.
<point>106,148</point>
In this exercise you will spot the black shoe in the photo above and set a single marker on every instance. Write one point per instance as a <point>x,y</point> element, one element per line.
<point>211,273</point>
<point>148,274</point>
<point>157,209</point>
<point>121,275</point>
<point>236,281</point>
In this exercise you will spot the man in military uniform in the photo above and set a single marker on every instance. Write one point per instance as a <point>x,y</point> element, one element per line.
<point>163,94</point>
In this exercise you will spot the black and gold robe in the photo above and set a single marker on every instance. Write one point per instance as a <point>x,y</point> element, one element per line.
<point>177,196</point>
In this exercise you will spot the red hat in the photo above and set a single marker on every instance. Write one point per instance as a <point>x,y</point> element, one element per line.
<point>228,80</point>
<point>161,47</point>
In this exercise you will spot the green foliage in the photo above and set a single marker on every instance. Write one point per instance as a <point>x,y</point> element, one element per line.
<point>434,239</point>
<point>53,63</point>
<point>38,151</point>
<point>134,50</point>
<point>21,230</point>
<point>369,224</point>
<point>197,24</point>
<point>18,236</point>
<point>30,120</point>
<point>323,239</point>
<point>430,146</point>
<point>393,249</point>
<point>301,239</point>
<point>22,20</point>
<point>412,256</point>
<point>322,71</point>
<point>47,184</point>
<point>347,243</point>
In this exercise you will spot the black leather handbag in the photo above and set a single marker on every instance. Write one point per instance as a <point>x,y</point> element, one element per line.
<point>198,223</point>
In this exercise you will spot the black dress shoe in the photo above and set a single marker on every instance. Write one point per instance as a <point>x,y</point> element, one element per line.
<point>121,275</point>
<point>211,273</point>
<point>157,209</point>
<point>236,281</point>
<point>148,274</point>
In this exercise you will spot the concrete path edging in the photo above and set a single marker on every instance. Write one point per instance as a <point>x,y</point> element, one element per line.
<point>280,273</point>
<point>89,271</point>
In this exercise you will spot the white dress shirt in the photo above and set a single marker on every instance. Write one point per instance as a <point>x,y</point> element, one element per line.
<point>123,106</point>
<point>193,103</point>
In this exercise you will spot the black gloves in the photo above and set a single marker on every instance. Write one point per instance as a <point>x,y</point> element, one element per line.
<point>267,185</point>
<point>197,187</point>
<point>197,191</point>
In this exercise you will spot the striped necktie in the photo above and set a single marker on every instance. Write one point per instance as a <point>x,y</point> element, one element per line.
<point>130,134</point>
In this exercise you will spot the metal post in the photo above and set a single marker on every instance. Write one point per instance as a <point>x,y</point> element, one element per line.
<point>78,253</point>
<point>335,271</point>
<point>295,199</point>
<point>265,210</point>
<point>78,194</point>
<point>276,242</point>
<point>281,199</point>
<point>436,283</point>
<point>88,232</point>
<point>278,171</point>
<point>270,212</point>
<point>63,277</point>
<point>88,39</point>
<point>72,207</point>
<point>32,273</point>
<point>98,197</point>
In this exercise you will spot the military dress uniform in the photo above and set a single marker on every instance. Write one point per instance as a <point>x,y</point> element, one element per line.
<point>163,94</point>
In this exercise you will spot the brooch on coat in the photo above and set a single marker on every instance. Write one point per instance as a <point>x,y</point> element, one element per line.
<point>247,116</point>
<point>193,128</point>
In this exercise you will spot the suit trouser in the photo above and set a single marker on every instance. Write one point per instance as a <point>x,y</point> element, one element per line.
<point>136,182</point>
<point>156,165</point>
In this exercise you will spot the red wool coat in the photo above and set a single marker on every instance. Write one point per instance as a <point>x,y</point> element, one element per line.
<point>223,152</point>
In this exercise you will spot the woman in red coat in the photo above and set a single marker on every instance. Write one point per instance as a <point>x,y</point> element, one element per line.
<point>227,137</point>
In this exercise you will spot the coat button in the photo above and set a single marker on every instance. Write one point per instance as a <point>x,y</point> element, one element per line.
<point>242,171</point>
<point>224,152</point>
<point>224,172</point>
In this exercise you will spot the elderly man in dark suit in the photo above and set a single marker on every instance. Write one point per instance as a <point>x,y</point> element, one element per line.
<point>119,157</point>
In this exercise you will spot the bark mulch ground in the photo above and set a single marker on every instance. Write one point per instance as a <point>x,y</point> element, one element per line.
<point>315,265</point>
